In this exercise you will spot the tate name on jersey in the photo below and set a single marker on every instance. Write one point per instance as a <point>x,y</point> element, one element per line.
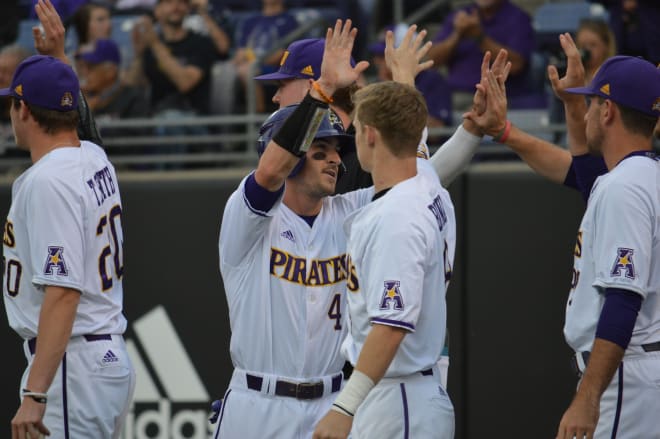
<point>102,185</point>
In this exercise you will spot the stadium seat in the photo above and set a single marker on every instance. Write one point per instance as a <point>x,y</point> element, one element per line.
<point>308,14</point>
<point>24,37</point>
<point>122,26</point>
<point>551,19</point>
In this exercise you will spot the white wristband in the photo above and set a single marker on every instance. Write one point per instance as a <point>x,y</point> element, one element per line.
<point>353,393</point>
<point>41,398</point>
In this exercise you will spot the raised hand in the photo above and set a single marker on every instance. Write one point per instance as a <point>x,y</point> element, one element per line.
<point>143,34</point>
<point>405,61</point>
<point>51,41</point>
<point>488,114</point>
<point>493,120</point>
<point>467,23</point>
<point>336,69</point>
<point>574,76</point>
<point>500,68</point>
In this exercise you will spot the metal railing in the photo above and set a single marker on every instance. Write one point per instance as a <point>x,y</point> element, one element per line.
<point>218,148</point>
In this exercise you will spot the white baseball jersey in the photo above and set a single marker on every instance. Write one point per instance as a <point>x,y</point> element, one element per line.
<point>285,284</point>
<point>618,246</point>
<point>64,229</point>
<point>400,250</point>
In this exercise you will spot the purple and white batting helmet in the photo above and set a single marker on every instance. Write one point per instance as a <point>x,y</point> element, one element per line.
<point>331,126</point>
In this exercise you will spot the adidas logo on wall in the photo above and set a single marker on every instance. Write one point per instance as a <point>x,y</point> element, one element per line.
<point>166,379</point>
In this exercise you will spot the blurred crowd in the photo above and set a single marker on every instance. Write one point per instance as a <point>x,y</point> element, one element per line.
<point>175,58</point>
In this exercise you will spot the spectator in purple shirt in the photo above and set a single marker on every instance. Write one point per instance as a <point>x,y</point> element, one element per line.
<point>469,32</point>
<point>255,37</point>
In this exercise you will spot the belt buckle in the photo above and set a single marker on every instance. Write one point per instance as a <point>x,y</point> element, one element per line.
<point>306,390</point>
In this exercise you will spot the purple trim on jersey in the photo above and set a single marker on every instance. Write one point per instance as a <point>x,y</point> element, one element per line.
<point>65,410</point>
<point>583,172</point>
<point>259,199</point>
<point>619,403</point>
<point>618,316</point>
<point>309,219</point>
<point>643,153</point>
<point>406,421</point>
<point>398,323</point>
<point>222,413</point>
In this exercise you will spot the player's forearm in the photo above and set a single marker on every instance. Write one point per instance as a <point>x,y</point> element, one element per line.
<point>545,158</point>
<point>274,167</point>
<point>183,77</point>
<point>604,360</point>
<point>218,35</point>
<point>576,126</point>
<point>454,155</point>
<point>379,350</point>
<point>58,312</point>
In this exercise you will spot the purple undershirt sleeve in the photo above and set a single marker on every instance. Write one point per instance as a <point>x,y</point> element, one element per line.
<point>260,198</point>
<point>583,172</point>
<point>618,316</point>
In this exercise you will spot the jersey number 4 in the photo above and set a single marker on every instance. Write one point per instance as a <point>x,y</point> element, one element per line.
<point>334,313</point>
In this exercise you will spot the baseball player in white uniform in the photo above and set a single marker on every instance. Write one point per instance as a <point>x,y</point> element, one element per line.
<point>301,65</point>
<point>400,251</point>
<point>613,309</point>
<point>63,265</point>
<point>282,258</point>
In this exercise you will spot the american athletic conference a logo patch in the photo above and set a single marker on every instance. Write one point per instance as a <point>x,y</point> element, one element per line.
<point>55,259</point>
<point>624,262</point>
<point>392,296</point>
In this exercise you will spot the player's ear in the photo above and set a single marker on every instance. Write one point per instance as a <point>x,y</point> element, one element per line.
<point>608,111</point>
<point>23,110</point>
<point>371,134</point>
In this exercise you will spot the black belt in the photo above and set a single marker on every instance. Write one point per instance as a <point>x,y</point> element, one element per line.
<point>32,343</point>
<point>295,390</point>
<point>649,347</point>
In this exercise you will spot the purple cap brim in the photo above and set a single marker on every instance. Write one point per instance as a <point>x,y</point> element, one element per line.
<point>582,91</point>
<point>275,76</point>
<point>6,92</point>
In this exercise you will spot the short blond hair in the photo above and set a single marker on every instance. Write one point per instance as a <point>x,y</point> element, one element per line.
<point>398,111</point>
